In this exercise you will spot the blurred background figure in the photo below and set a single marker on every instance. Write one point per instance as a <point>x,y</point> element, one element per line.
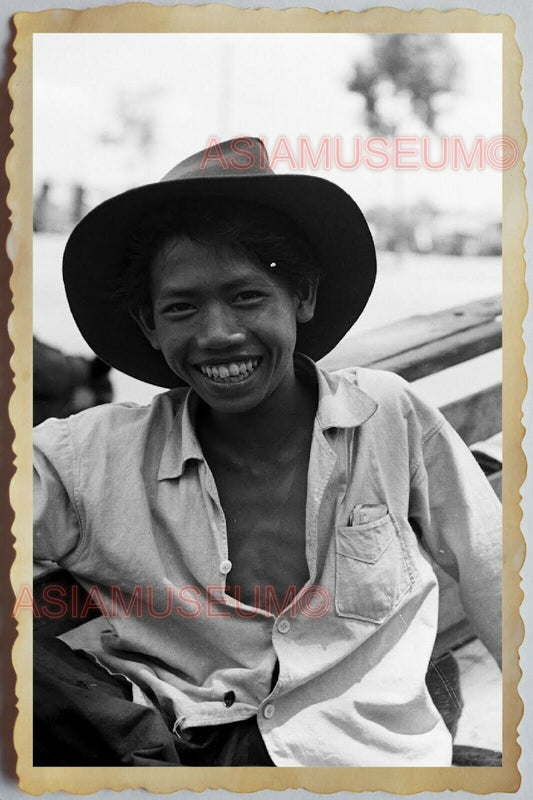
<point>64,384</point>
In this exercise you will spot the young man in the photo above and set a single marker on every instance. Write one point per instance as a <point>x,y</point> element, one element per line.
<point>259,535</point>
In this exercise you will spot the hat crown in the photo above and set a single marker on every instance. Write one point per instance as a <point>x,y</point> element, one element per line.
<point>235,157</point>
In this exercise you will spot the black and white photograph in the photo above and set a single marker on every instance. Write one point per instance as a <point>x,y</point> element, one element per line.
<point>267,374</point>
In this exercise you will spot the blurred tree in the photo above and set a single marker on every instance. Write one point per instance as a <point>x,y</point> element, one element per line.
<point>418,68</point>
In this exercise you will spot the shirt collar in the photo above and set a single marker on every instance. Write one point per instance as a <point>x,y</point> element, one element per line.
<point>181,444</point>
<point>341,404</point>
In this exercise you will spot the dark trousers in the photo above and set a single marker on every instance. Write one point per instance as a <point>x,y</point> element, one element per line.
<point>444,686</point>
<point>85,717</point>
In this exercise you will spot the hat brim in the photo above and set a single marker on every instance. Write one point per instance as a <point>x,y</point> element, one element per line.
<point>332,222</point>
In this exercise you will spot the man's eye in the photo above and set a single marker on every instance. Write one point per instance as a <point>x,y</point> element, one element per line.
<point>248,296</point>
<point>178,308</point>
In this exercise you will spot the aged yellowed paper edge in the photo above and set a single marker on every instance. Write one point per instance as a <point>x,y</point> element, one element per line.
<point>137,17</point>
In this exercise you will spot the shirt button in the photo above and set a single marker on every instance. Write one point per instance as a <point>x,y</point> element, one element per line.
<point>284,626</point>
<point>225,567</point>
<point>268,711</point>
<point>229,699</point>
<point>364,517</point>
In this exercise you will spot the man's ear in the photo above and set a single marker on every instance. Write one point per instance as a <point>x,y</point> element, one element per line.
<point>144,318</point>
<point>306,300</point>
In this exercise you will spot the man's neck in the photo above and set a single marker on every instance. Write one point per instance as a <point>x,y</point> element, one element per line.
<point>281,421</point>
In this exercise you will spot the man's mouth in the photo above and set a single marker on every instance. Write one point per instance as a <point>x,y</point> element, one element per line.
<point>232,372</point>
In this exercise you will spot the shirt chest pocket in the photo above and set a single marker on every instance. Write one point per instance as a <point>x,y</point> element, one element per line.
<point>373,570</point>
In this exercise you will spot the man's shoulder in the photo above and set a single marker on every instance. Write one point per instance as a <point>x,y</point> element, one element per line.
<point>382,386</point>
<point>394,396</point>
<point>111,425</point>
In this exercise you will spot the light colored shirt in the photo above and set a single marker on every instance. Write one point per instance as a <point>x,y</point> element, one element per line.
<point>125,500</point>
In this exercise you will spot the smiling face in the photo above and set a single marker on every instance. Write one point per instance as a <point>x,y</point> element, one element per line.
<point>224,325</point>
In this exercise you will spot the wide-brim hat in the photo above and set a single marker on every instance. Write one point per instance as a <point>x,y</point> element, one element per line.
<point>330,220</point>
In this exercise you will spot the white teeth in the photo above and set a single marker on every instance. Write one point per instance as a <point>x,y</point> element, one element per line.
<point>233,372</point>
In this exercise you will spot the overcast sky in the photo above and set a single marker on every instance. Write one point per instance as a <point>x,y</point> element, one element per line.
<point>193,86</point>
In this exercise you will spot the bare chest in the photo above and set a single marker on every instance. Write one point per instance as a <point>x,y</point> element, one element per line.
<point>264,507</point>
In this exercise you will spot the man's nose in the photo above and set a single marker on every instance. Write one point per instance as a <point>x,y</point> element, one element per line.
<point>219,329</point>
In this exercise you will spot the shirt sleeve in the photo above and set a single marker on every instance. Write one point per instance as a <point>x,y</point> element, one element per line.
<point>459,518</point>
<point>56,528</point>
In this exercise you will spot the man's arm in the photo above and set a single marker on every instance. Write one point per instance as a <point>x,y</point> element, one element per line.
<point>459,518</point>
<point>55,521</point>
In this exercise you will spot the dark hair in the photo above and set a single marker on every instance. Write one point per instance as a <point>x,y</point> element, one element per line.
<point>235,226</point>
